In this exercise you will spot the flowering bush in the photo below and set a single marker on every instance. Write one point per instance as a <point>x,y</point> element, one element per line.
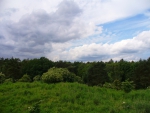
<point>55,75</point>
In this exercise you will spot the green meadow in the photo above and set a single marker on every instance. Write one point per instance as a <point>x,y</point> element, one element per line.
<point>38,97</point>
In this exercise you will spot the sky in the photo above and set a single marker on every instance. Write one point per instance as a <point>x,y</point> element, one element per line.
<point>75,30</point>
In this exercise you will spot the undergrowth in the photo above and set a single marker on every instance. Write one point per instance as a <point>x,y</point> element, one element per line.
<point>40,97</point>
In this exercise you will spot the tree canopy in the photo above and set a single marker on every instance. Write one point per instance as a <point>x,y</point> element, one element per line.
<point>91,73</point>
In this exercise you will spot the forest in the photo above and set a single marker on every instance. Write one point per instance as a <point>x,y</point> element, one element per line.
<point>91,73</point>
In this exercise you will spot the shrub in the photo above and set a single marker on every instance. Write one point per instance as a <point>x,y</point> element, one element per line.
<point>71,77</point>
<point>37,78</point>
<point>9,80</point>
<point>52,76</point>
<point>127,86</point>
<point>55,75</point>
<point>2,77</point>
<point>78,79</point>
<point>67,76</point>
<point>117,84</point>
<point>25,78</point>
<point>107,85</point>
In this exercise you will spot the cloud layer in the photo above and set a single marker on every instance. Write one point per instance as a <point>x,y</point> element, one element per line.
<point>129,49</point>
<point>33,34</point>
<point>71,30</point>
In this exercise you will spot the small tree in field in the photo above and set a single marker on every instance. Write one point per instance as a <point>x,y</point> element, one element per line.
<point>127,86</point>
<point>2,77</point>
<point>55,75</point>
<point>25,78</point>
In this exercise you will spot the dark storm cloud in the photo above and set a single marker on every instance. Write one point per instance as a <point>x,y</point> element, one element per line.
<point>33,33</point>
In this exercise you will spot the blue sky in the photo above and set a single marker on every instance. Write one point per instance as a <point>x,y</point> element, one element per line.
<point>75,30</point>
<point>128,27</point>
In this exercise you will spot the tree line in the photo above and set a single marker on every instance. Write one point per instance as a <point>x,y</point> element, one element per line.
<point>91,73</point>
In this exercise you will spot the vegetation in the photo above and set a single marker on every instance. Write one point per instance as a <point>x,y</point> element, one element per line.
<point>43,86</point>
<point>91,73</point>
<point>38,97</point>
<point>127,86</point>
<point>37,78</point>
<point>25,78</point>
<point>2,77</point>
<point>55,75</point>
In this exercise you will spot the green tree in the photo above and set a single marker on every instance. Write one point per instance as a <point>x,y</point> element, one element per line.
<point>121,70</point>
<point>82,71</point>
<point>11,68</point>
<point>35,67</point>
<point>142,74</point>
<point>113,70</point>
<point>97,74</point>
<point>62,64</point>
<point>2,77</point>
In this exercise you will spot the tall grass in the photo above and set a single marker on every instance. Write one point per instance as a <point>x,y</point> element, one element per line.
<point>70,98</point>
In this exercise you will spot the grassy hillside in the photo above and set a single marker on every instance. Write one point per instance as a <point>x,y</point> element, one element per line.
<point>70,98</point>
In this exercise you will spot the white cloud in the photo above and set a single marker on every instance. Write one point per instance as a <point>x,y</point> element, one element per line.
<point>126,49</point>
<point>103,11</point>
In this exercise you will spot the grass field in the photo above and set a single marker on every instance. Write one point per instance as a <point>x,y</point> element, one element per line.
<point>40,97</point>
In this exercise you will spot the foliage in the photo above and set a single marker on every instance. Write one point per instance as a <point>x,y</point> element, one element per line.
<point>25,78</point>
<point>9,80</point>
<point>108,85</point>
<point>11,67</point>
<point>141,77</point>
<point>35,108</point>
<point>37,78</point>
<point>77,79</point>
<point>35,67</point>
<point>71,77</point>
<point>97,74</point>
<point>2,77</point>
<point>91,73</point>
<point>55,75</point>
<point>22,97</point>
<point>117,84</point>
<point>127,86</point>
<point>82,70</point>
